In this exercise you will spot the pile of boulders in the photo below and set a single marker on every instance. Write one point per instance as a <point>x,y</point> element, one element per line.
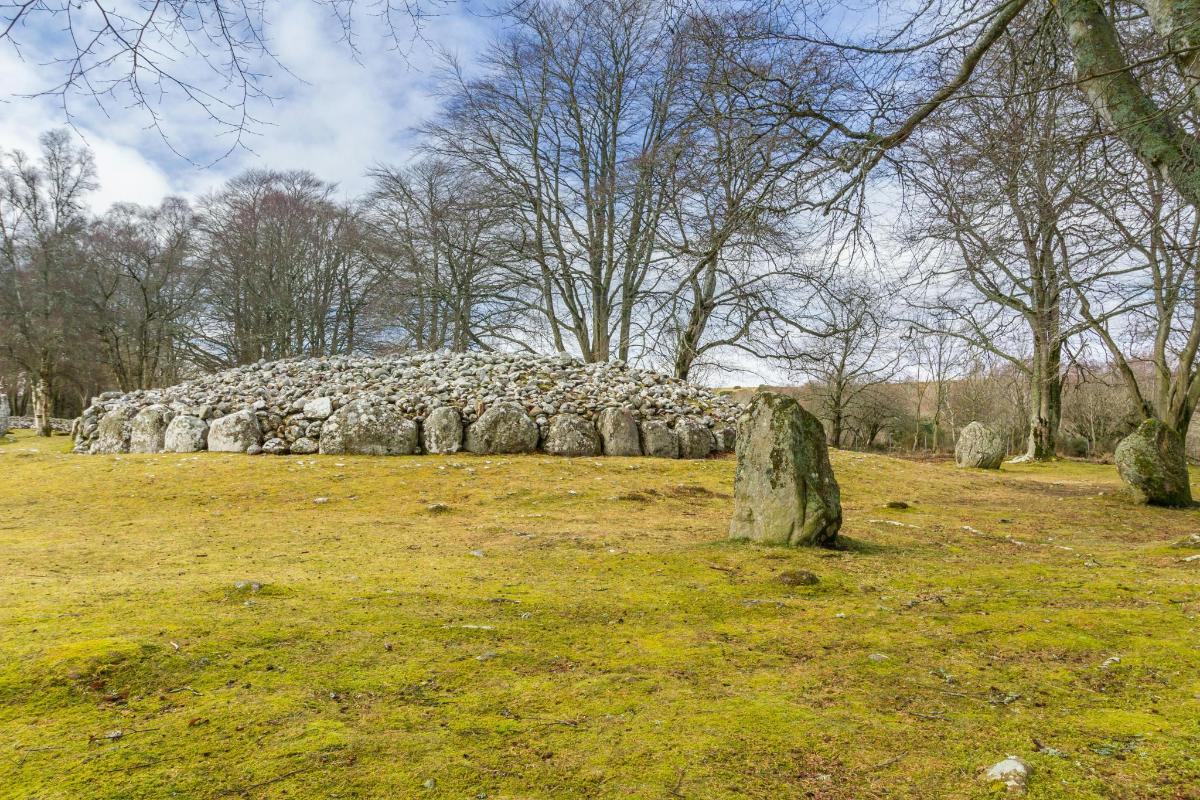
<point>430,402</point>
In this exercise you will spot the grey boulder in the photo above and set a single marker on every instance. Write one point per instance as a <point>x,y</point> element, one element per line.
<point>442,431</point>
<point>619,432</point>
<point>1152,460</point>
<point>979,447</point>
<point>147,432</point>
<point>784,490</point>
<point>185,434</point>
<point>658,440</point>
<point>503,428</point>
<point>235,433</point>
<point>368,429</point>
<point>571,435</point>
<point>695,439</point>
<point>112,435</point>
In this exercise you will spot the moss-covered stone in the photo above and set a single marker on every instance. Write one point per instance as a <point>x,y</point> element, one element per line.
<point>1153,461</point>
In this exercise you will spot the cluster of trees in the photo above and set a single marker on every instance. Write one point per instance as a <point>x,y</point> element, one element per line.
<point>1012,184</point>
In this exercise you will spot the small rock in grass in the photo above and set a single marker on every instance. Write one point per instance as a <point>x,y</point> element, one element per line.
<point>437,508</point>
<point>430,783</point>
<point>320,500</point>
<point>877,658</point>
<point>1191,543</point>
<point>899,505</point>
<point>478,553</point>
<point>799,577</point>
<point>1013,772</point>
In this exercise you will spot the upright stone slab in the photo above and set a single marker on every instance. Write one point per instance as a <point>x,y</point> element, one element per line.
<point>147,432</point>
<point>979,447</point>
<point>442,431</point>
<point>695,439</point>
<point>658,440</point>
<point>1152,460</point>
<point>368,429</point>
<point>503,428</point>
<point>112,434</point>
<point>5,412</point>
<point>784,489</point>
<point>185,434</point>
<point>235,433</point>
<point>619,432</point>
<point>572,435</point>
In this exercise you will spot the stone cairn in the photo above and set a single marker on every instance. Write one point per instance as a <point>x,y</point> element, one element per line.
<point>432,402</point>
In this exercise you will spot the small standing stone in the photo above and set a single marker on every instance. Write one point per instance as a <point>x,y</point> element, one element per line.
<point>658,440</point>
<point>442,431</point>
<point>619,432</point>
<point>235,433</point>
<point>185,434</point>
<point>571,435</point>
<point>979,447</point>
<point>1153,461</point>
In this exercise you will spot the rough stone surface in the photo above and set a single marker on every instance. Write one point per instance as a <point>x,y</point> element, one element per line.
<point>112,434</point>
<point>659,440</point>
<point>503,428</point>
<point>1152,460</point>
<point>442,431</point>
<point>979,447</point>
<point>618,431</point>
<point>695,440</point>
<point>235,433</point>
<point>148,430</point>
<point>5,411</point>
<point>1013,772</point>
<point>368,429</point>
<point>186,434</point>
<point>572,435</point>
<point>292,400</point>
<point>304,447</point>
<point>784,489</point>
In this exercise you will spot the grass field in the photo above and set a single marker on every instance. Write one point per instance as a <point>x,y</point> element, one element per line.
<point>468,627</point>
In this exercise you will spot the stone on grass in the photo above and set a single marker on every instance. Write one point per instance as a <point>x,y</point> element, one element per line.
<point>112,435</point>
<point>368,429</point>
<point>571,435</point>
<point>726,438</point>
<point>185,434</point>
<point>979,447</point>
<point>1013,772</point>
<point>275,446</point>
<point>784,489</point>
<point>1152,460</point>
<point>658,440</point>
<point>147,432</point>
<point>235,433</point>
<point>304,447</point>
<point>798,577</point>
<point>619,432</point>
<point>695,439</point>
<point>5,411</point>
<point>503,428</point>
<point>442,431</point>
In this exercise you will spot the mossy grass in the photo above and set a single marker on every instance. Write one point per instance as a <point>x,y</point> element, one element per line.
<point>198,627</point>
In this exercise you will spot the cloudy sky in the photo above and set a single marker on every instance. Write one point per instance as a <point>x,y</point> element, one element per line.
<point>335,109</point>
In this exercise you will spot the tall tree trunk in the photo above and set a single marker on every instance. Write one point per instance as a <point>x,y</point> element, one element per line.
<point>1045,402</point>
<point>41,408</point>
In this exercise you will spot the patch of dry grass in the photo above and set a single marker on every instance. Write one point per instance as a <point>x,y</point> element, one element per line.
<point>199,627</point>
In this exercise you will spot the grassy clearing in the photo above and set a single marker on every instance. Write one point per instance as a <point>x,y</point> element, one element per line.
<point>579,628</point>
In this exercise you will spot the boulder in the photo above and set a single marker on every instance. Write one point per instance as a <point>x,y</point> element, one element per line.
<point>695,439</point>
<point>275,446</point>
<point>442,431</point>
<point>979,447</point>
<point>658,440</point>
<point>185,434</point>
<point>235,433</point>
<point>503,428</point>
<point>1152,460</point>
<point>318,408</point>
<point>619,432</point>
<point>304,447</point>
<point>148,431</point>
<point>5,411</point>
<point>571,435</point>
<point>368,429</point>
<point>784,490</point>
<point>112,435</point>
<point>726,438</point>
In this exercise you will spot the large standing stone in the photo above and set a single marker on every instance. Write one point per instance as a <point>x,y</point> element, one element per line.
<point>784,490</point>
<point>695,439</point>
<point>572,435</point>
<point>503,428</point>
<point>442,431</point>
<point>619,432</point>
<point>112,435</point>
<point>235,433</point>
<point>979,446</point>
<point>368,429</point>
<point>5,411</point>
<point>185,434</point>
<point>1153,461</point>
<point>148,431</point>
<point>658,440</point>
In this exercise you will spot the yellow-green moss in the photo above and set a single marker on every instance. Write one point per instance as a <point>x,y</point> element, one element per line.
<point>581,628</point>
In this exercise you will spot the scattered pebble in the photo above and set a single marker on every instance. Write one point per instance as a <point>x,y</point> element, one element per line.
<point>877,658</point>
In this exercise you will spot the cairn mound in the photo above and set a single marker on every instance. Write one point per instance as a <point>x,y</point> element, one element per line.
<point>286,406</point>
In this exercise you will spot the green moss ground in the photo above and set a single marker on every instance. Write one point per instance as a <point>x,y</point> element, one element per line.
<point>603,640</point>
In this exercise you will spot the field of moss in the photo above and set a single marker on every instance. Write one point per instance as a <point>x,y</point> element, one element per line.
<point>216,626</point>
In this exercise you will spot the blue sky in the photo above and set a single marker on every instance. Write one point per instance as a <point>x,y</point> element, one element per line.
<point>337,113</point>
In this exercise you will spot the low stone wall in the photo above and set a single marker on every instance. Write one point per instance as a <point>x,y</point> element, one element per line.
<point>26,423</point>
<point>431,403</point>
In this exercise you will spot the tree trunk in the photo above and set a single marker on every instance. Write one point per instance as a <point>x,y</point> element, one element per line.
<point>1045,403</point>
<point>41,408</point>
